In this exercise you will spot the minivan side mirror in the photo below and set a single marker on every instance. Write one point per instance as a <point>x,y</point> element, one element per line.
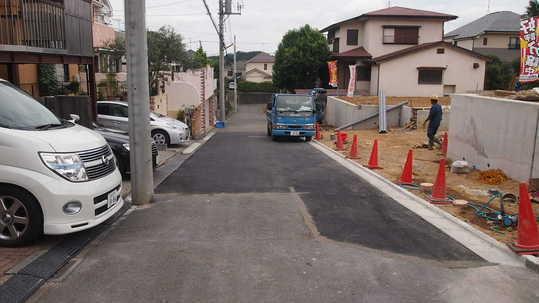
<point>269,106</point>
<point>74,118</point>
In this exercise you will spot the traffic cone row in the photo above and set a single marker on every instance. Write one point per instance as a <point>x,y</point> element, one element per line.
<point>339,144</point>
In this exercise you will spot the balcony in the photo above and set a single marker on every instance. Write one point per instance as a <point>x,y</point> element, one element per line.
<point>31,25</point>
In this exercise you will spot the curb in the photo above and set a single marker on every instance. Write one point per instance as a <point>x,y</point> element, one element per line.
<point>24,283</point>
<point>475,240</point>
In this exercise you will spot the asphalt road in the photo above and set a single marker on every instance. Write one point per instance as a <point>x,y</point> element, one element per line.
<point>250,220</point>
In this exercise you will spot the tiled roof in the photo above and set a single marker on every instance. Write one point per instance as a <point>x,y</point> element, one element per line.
<point>424,46</point>
<point>262,58</point>
<point>396,12</point>
<point>359,52</point>
<point>494,22</point>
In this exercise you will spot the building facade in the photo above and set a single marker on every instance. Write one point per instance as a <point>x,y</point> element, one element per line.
<point>496,34</point>
<point>53,32</point>
<point>397,43</point>
<point>260,68</point>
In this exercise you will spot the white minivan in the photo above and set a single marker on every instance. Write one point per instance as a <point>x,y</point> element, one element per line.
<point>56,177</point>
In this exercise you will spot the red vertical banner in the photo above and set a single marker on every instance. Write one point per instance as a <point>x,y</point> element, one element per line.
<point>529,50</point>
<point>332,67</point>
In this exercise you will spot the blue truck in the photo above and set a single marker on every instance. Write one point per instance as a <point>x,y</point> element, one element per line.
<point>291,116</point>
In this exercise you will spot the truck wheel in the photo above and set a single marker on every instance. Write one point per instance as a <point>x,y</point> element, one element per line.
<point>21,219</point>
<point>308,139</point>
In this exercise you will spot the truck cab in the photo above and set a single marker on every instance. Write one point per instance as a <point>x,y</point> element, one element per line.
<point>291,115</point>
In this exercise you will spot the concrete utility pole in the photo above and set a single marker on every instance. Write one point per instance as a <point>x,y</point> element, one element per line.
<point>235,78</point>
<point>222,59</point>
<point>139,102</point>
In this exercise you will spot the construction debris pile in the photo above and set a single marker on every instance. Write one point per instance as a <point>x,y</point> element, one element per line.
<point>492,176</point>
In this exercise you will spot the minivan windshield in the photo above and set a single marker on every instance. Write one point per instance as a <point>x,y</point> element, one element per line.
<point>20,111</point>
<point>293,103</point>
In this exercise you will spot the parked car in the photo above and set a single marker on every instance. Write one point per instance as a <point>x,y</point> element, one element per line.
<point>56,177</point>
<point>164,130</point>
<point>119,143</point>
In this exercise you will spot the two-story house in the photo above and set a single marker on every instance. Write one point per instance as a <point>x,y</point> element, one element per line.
<point>45,32</point>
<point>401,52</point>
<point>260,68</point>
<point>496,34</point>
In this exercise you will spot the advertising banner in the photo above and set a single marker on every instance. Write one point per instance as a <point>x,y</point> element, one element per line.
<point>352,83</point>
<point>332,67</point>
<point>529,53</point>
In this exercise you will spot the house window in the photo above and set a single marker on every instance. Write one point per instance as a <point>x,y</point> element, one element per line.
<point>401,34</point>
<point>363,73</point>
<point>430,75</point>
<point>352,37</point>
<point>331,36</point>
<point>514,43</point>
<point>66,73</point>
<point>265,66</point>
<point>440,51</point>
<point>485,41</point>
<point>336,45</point>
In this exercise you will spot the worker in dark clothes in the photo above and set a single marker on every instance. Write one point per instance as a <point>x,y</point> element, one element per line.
<point>434,119</point>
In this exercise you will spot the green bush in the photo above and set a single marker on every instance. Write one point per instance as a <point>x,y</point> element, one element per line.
<point>266,87</point>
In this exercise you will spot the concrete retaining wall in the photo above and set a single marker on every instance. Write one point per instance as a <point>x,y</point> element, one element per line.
<point>340,112</point>
<point>422,114</point>
<point>495,133</point>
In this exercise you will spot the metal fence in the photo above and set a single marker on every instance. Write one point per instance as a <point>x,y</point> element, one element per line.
<point>33,23</point>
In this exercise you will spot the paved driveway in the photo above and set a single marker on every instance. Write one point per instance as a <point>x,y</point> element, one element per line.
<point>250,220</point>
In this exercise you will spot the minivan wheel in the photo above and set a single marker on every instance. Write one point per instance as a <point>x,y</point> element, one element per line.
<point>160,137</point>
<point>21,220</point>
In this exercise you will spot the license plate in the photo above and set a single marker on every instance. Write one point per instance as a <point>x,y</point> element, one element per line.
<point>112,199</point>
<point>294,133</point>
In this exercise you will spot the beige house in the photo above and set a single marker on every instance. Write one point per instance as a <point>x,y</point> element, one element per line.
<point>400,52</point>
<point>260,68</point>
<point>496,34</point>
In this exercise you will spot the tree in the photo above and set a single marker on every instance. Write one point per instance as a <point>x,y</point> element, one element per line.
<point>533,8</point>
<point>499,74</point>
<point>197,59</point>
<point>116,48</point>
<point>48,81</point>
<point>301,55</point>
<point>165,47</point>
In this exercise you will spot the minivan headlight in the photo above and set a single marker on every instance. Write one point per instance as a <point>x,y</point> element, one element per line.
<point>68,166</point>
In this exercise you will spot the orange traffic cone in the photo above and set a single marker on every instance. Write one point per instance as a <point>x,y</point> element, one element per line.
<point>528,235</point>
<point>445,144</point>
<point>439,192</point>
<point>339,144</point>
<point>354,153</point>
<point>373,161</point>
<point>318,135</point>
<point>407,173</point>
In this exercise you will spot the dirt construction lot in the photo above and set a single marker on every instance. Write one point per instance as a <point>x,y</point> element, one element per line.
<point>393,149</point>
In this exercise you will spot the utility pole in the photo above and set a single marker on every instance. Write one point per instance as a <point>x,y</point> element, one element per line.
<point>139,102</point>
<point>235,77</point>
<point>225,9</point>
<point>222,59</point>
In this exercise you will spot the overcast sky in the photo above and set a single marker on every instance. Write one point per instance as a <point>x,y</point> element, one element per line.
<point>264,22</point>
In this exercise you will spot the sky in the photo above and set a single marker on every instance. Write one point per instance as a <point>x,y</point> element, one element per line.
<point>264,22</point>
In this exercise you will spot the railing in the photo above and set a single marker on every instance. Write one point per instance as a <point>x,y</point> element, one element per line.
<point>32,23</point>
